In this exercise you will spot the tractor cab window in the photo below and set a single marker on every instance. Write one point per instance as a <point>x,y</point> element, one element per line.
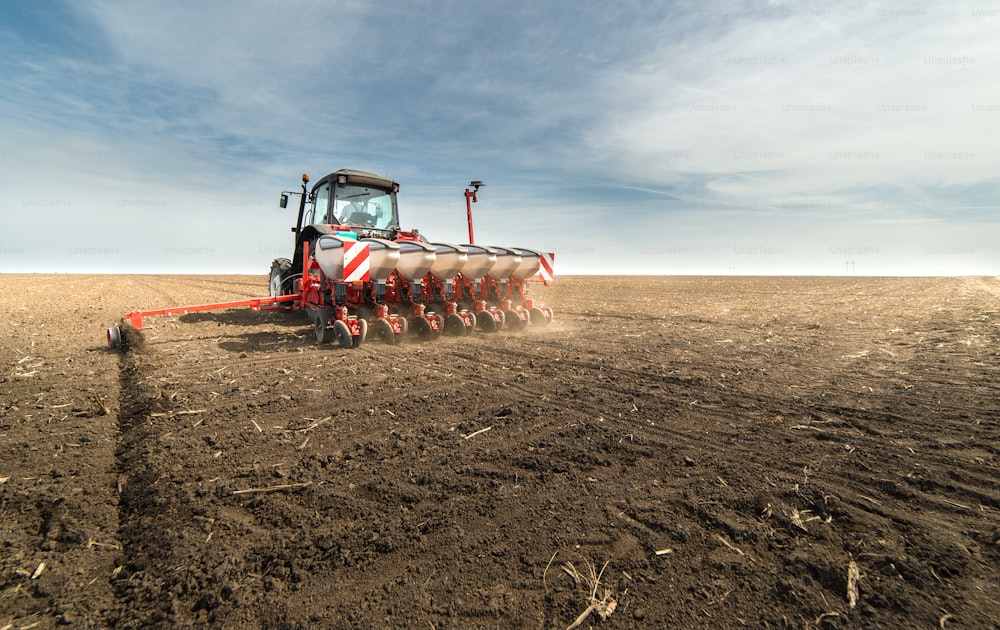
<point>364,207</point>
<point>321,204</point>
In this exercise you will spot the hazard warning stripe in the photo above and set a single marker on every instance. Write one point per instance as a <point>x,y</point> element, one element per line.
<point>356,267</point>
<point>545,270</point>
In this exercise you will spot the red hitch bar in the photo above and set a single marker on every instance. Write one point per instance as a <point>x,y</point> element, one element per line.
<point>295,301</point>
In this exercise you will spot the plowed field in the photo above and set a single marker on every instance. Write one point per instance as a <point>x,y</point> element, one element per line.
<point>670,452</point>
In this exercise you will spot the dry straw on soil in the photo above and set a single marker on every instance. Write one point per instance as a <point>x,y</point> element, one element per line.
<point>590,579</point>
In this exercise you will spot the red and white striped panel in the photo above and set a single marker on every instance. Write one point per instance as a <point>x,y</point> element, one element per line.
<point>545,270</point>
<point>356,267</point>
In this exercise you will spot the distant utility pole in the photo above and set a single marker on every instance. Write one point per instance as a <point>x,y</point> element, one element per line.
<point>849,267</point>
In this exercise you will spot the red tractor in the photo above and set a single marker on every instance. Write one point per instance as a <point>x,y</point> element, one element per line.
<point>354,268</point>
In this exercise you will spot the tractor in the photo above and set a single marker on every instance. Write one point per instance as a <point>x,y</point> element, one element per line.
<point>353,269</point>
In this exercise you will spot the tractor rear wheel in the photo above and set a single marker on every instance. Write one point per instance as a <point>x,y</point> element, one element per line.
<point>281,269</point>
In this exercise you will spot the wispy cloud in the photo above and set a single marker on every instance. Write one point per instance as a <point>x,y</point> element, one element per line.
<point>810,102</point>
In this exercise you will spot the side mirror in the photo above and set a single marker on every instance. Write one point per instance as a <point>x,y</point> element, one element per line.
<point>284,200</point>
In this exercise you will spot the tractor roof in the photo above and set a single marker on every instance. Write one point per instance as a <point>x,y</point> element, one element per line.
<point>361,178</point>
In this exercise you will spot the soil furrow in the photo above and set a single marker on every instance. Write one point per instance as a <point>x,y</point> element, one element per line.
<point>728,445</point>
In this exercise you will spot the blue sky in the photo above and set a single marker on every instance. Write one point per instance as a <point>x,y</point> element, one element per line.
<point>631,137</point>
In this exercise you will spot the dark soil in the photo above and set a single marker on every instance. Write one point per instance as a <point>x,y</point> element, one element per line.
<point>719,450</point>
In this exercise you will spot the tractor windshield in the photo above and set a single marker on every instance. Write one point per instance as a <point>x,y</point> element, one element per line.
<point>364,207</point>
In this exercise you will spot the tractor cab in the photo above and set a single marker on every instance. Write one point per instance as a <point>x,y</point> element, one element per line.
<point>343,201</point>
<point>363,202</point>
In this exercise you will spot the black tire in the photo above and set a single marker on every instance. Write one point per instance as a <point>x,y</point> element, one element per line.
<point>115,337</point>
<point>455,325</point>
<point>278,280</point>
<point>486,322</point>
<point>343,334</point>
<point>320,318</point>
<point>538,317</point>
<point>383,330</point>
<point>513,320</point>
<point>360,337</point>
<point>421,328</point>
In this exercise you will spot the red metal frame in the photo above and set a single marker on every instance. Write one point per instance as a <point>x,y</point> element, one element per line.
<point>255,304</point>
<point>470,198</point>
<point>295,301</point>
